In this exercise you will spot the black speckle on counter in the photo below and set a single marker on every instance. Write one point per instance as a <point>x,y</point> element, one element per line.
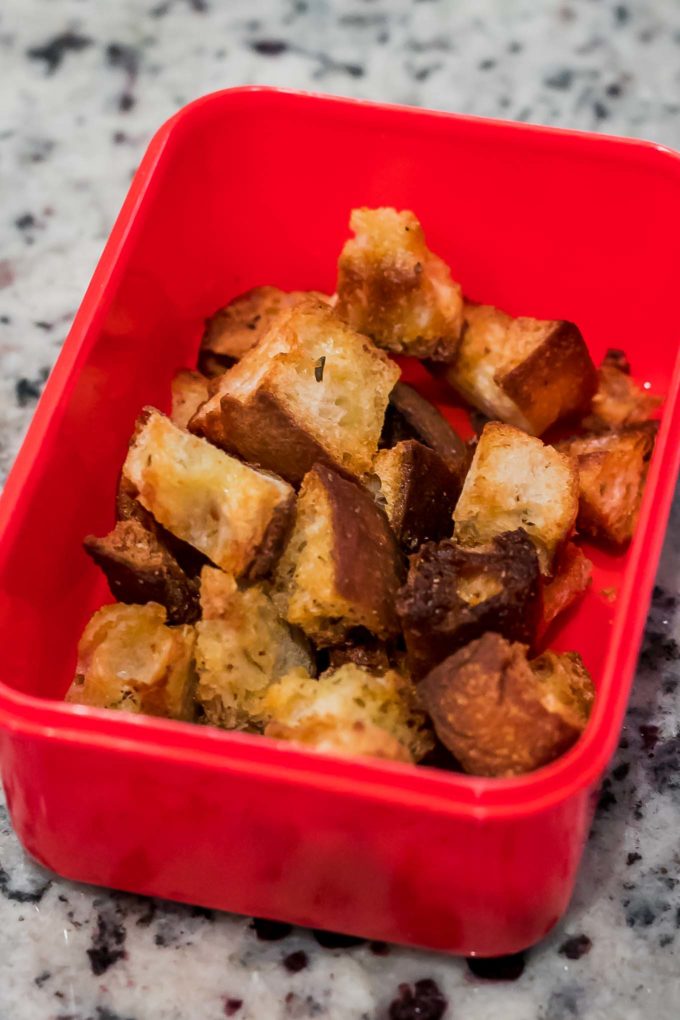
<point>664,767</point>
<point>270,931</point>
<point>55,49</point>
<point>621,771</point>
<point>600,110</point>
<point>560,79</point>
<point>295,962</point>
<point>498,968</point>
<point>336,939</point>
<point>123,56</point>
<point>639,912</point>
<point>575,947</point>
<point>5,320</point>
<point>633,858</point>
<point>563,1004</point>
<point>621,14</point>
<point>104,1013</point>
<point>422,1001</point>
<point>649,735</point>
<point>205,912</point>
<point>42,977</point>
<point>25,222</point>
<point>108,943</point>
<point>658,649</point>
<point>379,948</point>
<point>34,895</point>
<point>487,65</point>
<point>232,1006</point>
<point>607,798</point>
<point>662,599</point>
<point>28,390</point>
<point>269,47</point>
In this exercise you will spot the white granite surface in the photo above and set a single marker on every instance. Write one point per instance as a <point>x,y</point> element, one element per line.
<point>83,84</point>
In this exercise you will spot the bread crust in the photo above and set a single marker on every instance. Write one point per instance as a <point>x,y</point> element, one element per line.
<point>411,416</point>
<point>619,400</point>
<point>140,569</point>
<point>420,493</point>
<point>454,595</point>
<point>612,468</point>
<point>501,715</point>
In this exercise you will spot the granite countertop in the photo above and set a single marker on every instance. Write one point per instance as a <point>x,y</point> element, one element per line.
<point>82,87</point>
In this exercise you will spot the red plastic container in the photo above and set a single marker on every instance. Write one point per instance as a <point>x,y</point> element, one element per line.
<point>255,186</point>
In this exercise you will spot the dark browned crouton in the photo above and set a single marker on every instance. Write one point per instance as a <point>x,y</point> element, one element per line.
<point>618,400</point>
<point>418,491</point>
<point>395,290</point>
<point>501,715</point>
<point>525,372</point>
<point>573,575</point>
<point>410,416</point>
<point>341,567</point>
<point>612,468</point>
<point>140,569</point>
<point>454,595</point>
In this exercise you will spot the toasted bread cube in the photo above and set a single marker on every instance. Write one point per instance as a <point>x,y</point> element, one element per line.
<point>242,323</point>
<point>129,659</point>
<point>525,372</point>
<point>349,711</point>
<point>418,492</point>
<point>453,595</point>
<point>312,391</point>
<point>237,516</point>
<point>341,567</point>
<point>189,391</point>
<point>140,569</point>
<point>242,647</point>
<point>395,290</point>
<point>619,400</point>
<point>612,468</point>
<point>516,481</point>
<point>501,715</point>
<point>410,416</point>
<point>573,576</point>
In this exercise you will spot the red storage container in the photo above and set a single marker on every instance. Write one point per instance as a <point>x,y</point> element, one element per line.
<point>254,186</point>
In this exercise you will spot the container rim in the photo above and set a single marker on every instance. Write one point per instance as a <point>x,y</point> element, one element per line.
<point>205,747</point>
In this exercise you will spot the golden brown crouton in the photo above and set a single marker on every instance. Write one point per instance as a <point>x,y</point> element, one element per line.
<point>573,575</point>
<point>395,290</point>
<point>349,711</point>
<point>312,391</point>
<point>618,400</point>
<point>341,567</point>
<point>454,595</point>
<point>140,568</point>
<point>612,468</point>
<point>525,372</point>
<point>410,416</point>
<point>501,715</point>
<point>242,647</point>
<point>516,481</point>
<point>189,391</point>
<point>237,516</point>
<point>129,659</point>
<point>237,327</point>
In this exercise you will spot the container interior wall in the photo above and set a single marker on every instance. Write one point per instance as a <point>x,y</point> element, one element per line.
<point>247,193</point>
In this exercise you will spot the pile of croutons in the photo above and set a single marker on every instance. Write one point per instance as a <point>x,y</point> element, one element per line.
<point>306,548</point>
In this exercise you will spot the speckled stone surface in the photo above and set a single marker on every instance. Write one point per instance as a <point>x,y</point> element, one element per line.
<point>82,87</point>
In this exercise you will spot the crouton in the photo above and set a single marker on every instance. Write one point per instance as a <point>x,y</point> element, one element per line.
<point>515,481</point>
<point>312,391</point>
<point>237,327</point>
<point>453,595</point>
<point>418,493</point>
<point>237,516</point>
<point>128,659</point>
<point>189,391</point>
<point>341,567</point>
<point>349,711</point>
<point>618,400</point>
<point>501,715</point>
<point>242,647</point>
<point>573,575</point>
<point>525,372</point>
<point>395,290</point>
<point>410,416</point>
<point>612,468</point>
<point>361,649</point>
<point>140,569</point>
